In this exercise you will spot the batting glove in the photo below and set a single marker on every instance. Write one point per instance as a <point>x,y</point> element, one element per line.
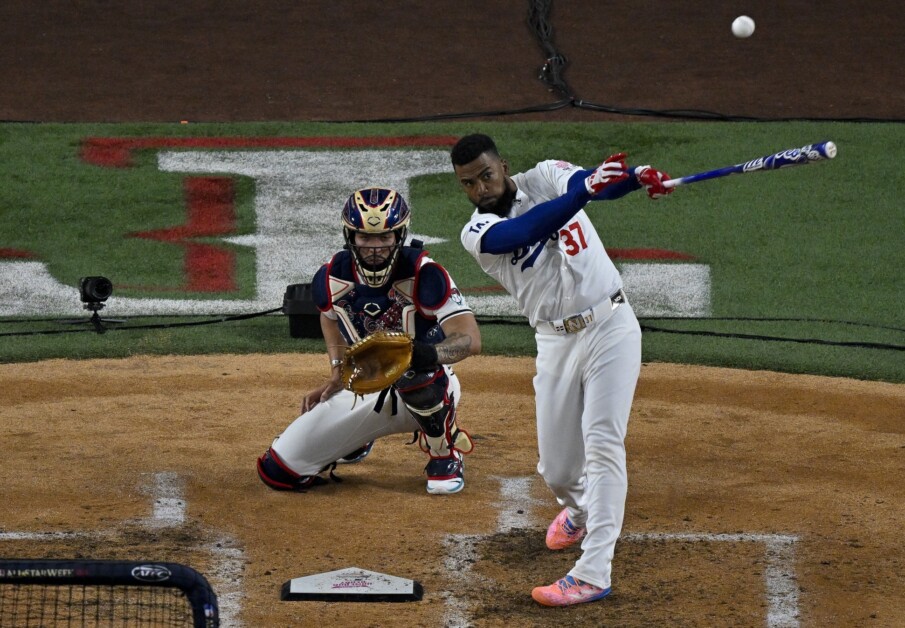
<point>612,170</point>
<point>652,180</point>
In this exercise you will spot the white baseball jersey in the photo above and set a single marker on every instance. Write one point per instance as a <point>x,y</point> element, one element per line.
<point>586,374</point>
<point>568,272</point>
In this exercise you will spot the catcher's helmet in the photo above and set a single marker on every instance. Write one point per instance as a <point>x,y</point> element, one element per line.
<point>375,211</point>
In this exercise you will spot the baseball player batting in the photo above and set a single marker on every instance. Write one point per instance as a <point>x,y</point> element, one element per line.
<point>377,283</point>
<point>530,233</point>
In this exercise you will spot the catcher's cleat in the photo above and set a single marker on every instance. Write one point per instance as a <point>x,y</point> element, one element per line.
<point>562,533</point>
<point>358,455</point>
<point>445,476</point>
<point>568,591</point>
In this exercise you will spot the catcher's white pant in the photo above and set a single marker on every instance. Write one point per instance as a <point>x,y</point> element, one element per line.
<point>584,386</point>
<point>342,424</point>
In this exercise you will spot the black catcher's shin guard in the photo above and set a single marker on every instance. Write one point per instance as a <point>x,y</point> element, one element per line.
<point>429,398</point>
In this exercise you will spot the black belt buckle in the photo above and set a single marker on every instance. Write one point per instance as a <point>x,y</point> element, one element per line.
<point>617,299</point>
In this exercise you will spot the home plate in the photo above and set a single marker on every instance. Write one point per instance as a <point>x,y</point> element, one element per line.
<point>352,584</point>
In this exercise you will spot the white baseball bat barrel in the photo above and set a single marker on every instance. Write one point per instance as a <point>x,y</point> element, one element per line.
<point>783,159</point>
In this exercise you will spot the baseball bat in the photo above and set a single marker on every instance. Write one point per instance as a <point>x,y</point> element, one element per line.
<point>790,157</point>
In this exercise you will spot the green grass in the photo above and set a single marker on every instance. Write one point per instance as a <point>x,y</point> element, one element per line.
<point>821,242</point>
<point>270,334</point>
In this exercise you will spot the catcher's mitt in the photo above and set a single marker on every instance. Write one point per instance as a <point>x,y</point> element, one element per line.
<point>375,362</point>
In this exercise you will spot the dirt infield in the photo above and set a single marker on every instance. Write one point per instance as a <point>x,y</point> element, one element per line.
<point>754,498</point>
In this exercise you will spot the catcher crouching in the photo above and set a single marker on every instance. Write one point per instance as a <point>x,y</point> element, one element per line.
<point>393,321</point>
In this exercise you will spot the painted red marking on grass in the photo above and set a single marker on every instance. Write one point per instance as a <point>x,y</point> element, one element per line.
<point>209,268</point>
<point>7,253</point>
<point>116,152</point>
<point>648,254</point>
<point>210,211</point>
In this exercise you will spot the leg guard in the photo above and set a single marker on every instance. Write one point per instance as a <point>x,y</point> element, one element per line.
<point>275,474</point>
<point>428,397</point>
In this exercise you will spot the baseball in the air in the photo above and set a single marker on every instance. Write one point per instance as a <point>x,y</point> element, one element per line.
<point>742,26</point>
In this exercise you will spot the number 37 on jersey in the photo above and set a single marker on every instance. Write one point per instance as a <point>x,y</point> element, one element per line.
<point>572,236</point>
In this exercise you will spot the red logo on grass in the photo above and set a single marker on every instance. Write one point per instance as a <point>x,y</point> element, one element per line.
<point>210,201</point>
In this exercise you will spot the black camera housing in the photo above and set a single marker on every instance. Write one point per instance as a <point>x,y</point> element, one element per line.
<point>299,308</point>
<point>95,289</point>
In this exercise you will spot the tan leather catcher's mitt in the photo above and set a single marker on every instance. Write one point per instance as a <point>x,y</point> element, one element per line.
<point>376,362</point>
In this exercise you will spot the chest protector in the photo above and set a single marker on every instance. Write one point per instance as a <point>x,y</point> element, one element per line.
<point>363,310</point>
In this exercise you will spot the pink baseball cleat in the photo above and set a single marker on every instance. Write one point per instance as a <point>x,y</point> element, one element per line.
<point>568,591</point>
<point>562,532</point>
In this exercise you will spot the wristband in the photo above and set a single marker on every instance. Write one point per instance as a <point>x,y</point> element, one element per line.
<point>424,356</point>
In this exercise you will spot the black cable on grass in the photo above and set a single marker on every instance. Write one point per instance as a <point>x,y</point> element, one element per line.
<point>102,329</point>
<point>502,320</point>
<point>492,321</point>
<point>469,114</point>
<point>519,320</point>
<point>767,319</point>
<point>739,336</point>
<point>816,341</point>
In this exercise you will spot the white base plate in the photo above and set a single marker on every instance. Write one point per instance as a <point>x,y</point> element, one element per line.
<point>352,584</point>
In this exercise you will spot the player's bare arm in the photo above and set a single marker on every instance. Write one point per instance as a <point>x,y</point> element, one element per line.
<point>336,347</point>
<point>463,338</point>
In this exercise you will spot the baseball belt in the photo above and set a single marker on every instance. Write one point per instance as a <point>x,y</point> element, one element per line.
<point>572,324</point>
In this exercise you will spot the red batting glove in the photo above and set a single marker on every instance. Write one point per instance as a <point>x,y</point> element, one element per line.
<point>612,170</point>
<point>652,180</point>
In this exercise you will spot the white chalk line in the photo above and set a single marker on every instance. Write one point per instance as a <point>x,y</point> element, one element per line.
<point>168,505</point>
<point>515,511</point>
<point>44,536</point>
<point>167,494</point>
<point>168,511</point>
<point>779,576</point>
<point>461,554</point>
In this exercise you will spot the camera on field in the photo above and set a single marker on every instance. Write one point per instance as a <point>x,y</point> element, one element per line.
<point>94,291</point>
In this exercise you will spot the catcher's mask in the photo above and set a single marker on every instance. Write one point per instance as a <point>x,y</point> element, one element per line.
<point>375,211</point>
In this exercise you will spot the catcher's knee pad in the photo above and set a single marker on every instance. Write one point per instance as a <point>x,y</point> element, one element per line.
<point>277,475</point>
